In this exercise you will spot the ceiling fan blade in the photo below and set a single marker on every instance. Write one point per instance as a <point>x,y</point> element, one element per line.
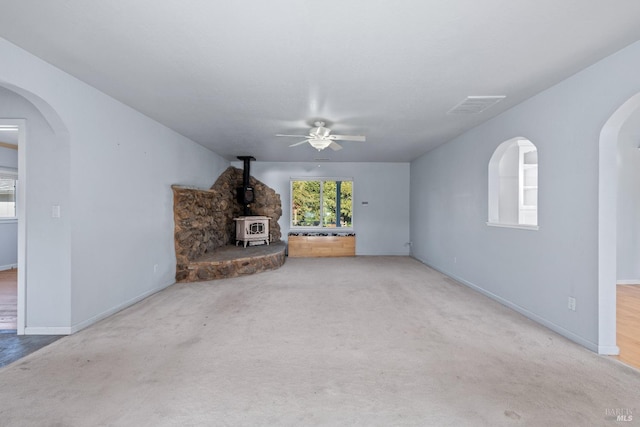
<point>297,136</point>
<point>299,143</point>
<point>360,138</point>
<point>335,146</point>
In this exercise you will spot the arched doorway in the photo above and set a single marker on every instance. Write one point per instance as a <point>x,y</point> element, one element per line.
<point>36,118</point>
<point>15,133</point>
<point>607,224</point>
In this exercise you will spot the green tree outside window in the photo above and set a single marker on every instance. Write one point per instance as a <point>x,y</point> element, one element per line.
<point>321,203</point>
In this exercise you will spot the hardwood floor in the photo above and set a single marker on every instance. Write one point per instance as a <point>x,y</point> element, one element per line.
<point>8,299</point>
<point>628,324</point>
<point>12,346</point>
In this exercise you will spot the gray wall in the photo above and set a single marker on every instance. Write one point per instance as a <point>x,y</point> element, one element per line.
<point>8,228</point>
<point>381,226</point>
<point>629,202</point>
<point>48,291</point>
<point>110,169</point>
<point>8,156</point>
<point>532,271</point>
<point>8,244</point>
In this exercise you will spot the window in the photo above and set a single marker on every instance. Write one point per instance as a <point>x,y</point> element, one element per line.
<point>323,203</point>
<point>513,184</point>
<point>8,182</point>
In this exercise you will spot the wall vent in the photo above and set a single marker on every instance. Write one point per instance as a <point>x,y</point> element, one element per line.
<point>475,104</point>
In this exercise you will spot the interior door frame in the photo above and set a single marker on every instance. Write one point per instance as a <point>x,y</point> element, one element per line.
<point>22,219</point>
<point>608,223</point>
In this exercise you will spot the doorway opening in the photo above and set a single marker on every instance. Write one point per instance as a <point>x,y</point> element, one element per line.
<point>8,300</point>
<point>618,238</point>
<point>12,284</point>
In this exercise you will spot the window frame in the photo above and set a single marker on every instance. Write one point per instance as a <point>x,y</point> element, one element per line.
<point>320,226</point>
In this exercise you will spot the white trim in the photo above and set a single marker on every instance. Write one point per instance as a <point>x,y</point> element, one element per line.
<point>47,330</point>
<point>375,253</point>
<point>520,226</point>
<point>628,282</point>
<point>21,213</point>
<point>606,350</point>
<point>8,267</point>
<point>321,178</point>
<point>12,220</point>
<point>609,350</point>
<point>320,227</point>
<point>79,326</point>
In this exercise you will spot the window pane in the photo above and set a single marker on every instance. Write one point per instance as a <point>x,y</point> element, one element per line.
<point>7,198</point>
<point>346,194</point>
<point>329,203</point>
<point>321,203</point>
<point>305,206</point>
<point>336,198</point>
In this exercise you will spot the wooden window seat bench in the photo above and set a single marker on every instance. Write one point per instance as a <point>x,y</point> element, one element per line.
<point>324,244</point>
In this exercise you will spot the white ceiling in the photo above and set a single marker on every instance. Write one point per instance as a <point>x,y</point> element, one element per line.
<point>231,74</point>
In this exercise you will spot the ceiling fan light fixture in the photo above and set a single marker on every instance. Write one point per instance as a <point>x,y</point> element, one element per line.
<point>319,131</point>
<point>320,138</point>
<point>319,144</point>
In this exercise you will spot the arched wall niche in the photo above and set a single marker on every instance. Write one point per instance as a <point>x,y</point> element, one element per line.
<point>513,184</point>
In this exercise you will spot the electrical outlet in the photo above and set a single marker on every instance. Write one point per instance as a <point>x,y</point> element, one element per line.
<point>571,304</point>
<point>155,268</point>
<point>455,259</point>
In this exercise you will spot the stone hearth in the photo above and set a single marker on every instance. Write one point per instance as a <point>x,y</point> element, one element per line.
<point>234,261</point>
<point>205,229</point>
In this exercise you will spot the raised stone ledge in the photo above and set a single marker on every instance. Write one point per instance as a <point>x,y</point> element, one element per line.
<point>233,261</point>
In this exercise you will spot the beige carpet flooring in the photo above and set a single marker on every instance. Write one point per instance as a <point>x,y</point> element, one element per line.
<point>371,341</point>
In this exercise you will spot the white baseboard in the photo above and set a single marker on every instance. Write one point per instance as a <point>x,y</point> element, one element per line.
<point>526,313</point>
<point>8,267</point>
<point>608,350</point>
<point>53,330</point>
<point>79,326</point>
<point>383,253</point>
<point>65,330</point>
<point>628,282</point>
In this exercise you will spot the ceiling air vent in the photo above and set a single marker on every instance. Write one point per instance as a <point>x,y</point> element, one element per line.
<point>475,104</point>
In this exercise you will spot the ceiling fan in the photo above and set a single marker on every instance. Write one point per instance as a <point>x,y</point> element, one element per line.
<point>320,138</point>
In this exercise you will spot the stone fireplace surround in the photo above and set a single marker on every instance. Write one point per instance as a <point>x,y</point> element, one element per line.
<point>204,224</point>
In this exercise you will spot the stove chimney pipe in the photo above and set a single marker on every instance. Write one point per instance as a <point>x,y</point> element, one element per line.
<point>245,193</point>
